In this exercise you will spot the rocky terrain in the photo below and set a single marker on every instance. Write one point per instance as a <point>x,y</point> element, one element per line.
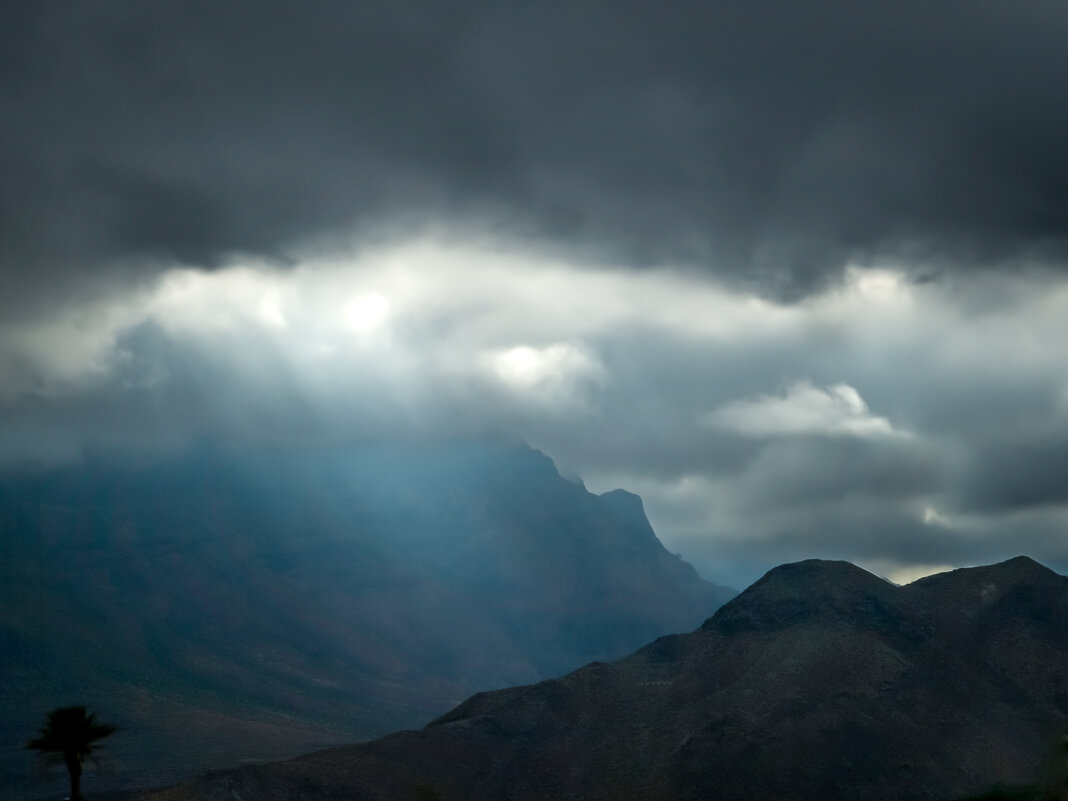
<point>819,682</point>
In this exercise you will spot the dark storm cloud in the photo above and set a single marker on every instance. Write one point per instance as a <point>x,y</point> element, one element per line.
<point>816,470</point>
<point>1021,474</point>
<point>771,141</point>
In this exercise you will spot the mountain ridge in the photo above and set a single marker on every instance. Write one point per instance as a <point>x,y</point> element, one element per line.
<point>857,702</point>
<point>309,601</point>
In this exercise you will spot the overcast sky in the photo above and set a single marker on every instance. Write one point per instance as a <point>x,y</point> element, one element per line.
<point>793,272</point>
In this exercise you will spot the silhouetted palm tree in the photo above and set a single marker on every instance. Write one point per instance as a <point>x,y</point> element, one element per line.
<point>72,733</point>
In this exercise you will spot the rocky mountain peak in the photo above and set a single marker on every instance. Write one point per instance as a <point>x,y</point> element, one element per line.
<point>625,504</point>
<point>821,682</point>
<point>979,587</point>
<point>812,592</point>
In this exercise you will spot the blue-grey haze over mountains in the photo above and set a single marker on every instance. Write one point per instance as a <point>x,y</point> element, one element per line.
<point>225,607</point>
<point>795,273</point>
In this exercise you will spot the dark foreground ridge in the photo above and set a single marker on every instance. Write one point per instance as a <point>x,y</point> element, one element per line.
<point>819,682</point>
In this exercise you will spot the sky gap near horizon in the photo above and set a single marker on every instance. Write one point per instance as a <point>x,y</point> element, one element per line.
<point>793,274</point>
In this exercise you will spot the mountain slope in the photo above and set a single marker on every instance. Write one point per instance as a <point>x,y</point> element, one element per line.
<point>818,682</point>
<point>223,607</point>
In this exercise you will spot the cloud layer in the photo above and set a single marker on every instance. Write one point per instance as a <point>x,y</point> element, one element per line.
<point>769,143</point>
<point>792,271</point>
<point>802,409</point>
<point>899,425</point>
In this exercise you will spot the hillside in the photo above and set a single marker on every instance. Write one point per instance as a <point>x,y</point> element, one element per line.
<point>819,682</point>
<point>229,607</point>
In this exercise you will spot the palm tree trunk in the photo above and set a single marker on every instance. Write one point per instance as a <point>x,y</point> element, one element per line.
<point>74,765</point>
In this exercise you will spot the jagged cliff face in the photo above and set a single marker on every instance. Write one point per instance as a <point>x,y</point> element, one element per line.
<point>227,607</point>
<point>820,681</point>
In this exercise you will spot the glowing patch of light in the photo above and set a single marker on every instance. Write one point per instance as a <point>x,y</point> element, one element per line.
<point>879,284</point>
<point>366,313</point>
<point>228,299</point>
<point>902,573</point>
<point>932,517</point>
<point>269,311</point>
<point>525,366</point>
<point>907,575</point>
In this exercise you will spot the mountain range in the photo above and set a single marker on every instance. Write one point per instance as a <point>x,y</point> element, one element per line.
<point>224,606</point>
<point>819,682</point>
